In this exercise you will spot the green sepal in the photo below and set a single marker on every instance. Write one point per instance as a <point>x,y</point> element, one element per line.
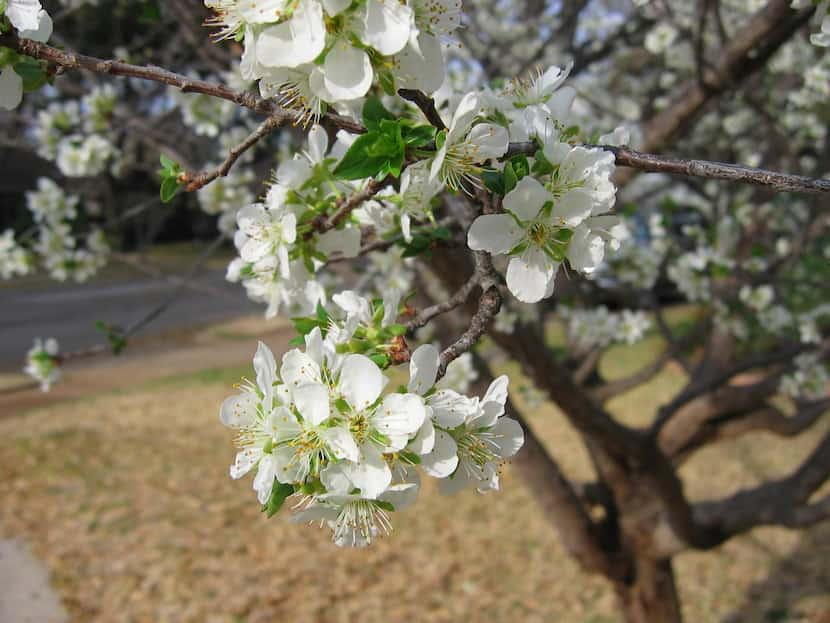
<point>380,360</point>
<point>387,506</point>
<point>409,457</point>
<point>520,166</point>
<point>279,493</point>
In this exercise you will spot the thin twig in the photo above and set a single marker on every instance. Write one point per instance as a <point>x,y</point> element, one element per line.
<point>346,206</point>
<point>456,300</point>
<point>195,182</point>
<point>652,163</point>
<point>624,156</point>
<point>426,104</point>
<point>70,60</point>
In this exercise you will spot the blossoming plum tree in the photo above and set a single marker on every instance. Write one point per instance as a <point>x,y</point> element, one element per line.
<point>469,205</point>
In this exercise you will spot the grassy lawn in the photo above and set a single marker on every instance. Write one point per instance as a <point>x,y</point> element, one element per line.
<point>126,497</point>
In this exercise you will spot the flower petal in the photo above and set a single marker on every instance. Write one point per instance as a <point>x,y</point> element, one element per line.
<point>528,276</point>
<point>450,409</point>
<point>341,443</point>
<point>298,368</point>
<point>443,460</point>
<point>370,474</point>
<point>423,368</point>
<point>296,41</point>
<point>361,381</point>
<point>385,26</point>
<point>399,416</point>
<point>264,480</point>
<point>494,233</point>
<point>347,71</point>
<point>527,199</point>
<point>239,411</point>
<point>586,250</point>
<point>509,436</point>
<point>312,400</point>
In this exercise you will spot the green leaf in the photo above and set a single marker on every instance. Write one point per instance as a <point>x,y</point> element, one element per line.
<point>357,163</point>
<point>510,178</point>
<point>521,166</point>
<point>494,181</point>
<point>32,72</point>
<point>418,136</point>
<point>441,233</point>
<point>167,164</point>
<point>169,189</point>
<point>386,80</point>
<point>541,165</point>
<point>279,492</point>
<point>374,154</point>
<point>304,326</point>
<point>418,245</point>
<point>396,329</point>
<point>374,112</point>
<point>322,314</point>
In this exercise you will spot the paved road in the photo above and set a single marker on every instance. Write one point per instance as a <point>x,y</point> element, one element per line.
<point>26,594</point>
<point>69,313</point>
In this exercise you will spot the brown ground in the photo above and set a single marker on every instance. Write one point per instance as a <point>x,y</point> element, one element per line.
<point>126,498</point>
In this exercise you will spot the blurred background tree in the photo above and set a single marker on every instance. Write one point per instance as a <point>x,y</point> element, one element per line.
<point>719,80</point>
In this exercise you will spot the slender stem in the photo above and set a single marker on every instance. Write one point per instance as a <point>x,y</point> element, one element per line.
<point>652,163</point>
<point>64,61</point>
<point>195,182</point>
<point>624,156</point>
<point>426,104</point>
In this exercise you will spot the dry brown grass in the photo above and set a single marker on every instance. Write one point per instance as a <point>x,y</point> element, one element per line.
<point>127,499</point>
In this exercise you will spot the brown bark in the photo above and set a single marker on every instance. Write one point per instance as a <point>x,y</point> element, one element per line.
<point>651,596</point>
<point>749,50</point>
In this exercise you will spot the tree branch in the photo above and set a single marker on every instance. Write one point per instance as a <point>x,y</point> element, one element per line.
<point>748,51</point>
<point>195,182</point>
<point>783,502</point>
<point>624,157</point>
<point>652,163</point>
<point>65,61</point>
<point>456,300</point>
<point>560,503</point>
<point>768,418</point>
<point>426,104</point>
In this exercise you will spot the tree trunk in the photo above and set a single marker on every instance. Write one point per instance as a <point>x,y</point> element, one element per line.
<point>651,596</point>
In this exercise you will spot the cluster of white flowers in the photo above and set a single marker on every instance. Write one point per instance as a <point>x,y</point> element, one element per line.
<point>76,135</point>
<point>561,210</point>
<point>691,272</point>
<point>307,53</point>
<point>809,380</point>
<point>225,195</point>
<point>54,212</point>
<point>31,22</point>
<point>205,115</point>
<point>322,428</point>
<point>43,362</point>
<point>14,260</point>
<point>821,38</point>
<point>599,327</point>
<point>277,258</point>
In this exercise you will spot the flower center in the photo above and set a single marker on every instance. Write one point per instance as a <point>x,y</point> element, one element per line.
<point>361,519</point>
